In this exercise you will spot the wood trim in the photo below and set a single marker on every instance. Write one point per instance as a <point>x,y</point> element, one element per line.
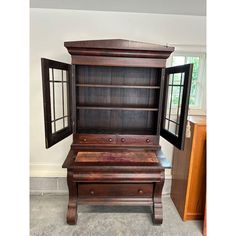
<point>161,94</point>
<point>118,61</point>
<point>116,201</point>
<point>116,44</point>
<point>118,53</point>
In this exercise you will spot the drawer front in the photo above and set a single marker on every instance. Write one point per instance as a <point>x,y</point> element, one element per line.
<point>96,139</point>
<point>136,140</point>
<point>115,190</point>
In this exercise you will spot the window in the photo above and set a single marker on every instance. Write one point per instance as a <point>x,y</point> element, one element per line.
<point>197,93</point>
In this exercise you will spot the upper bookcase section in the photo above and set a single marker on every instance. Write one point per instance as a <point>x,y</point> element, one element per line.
<point>118,52</point>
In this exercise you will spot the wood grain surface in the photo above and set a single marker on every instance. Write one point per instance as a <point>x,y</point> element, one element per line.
<point>117,158</point>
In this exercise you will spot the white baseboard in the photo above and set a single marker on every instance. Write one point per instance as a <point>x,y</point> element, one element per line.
<point>47,170</point>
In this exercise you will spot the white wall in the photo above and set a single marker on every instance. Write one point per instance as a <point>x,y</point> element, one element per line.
<point>49,29</point>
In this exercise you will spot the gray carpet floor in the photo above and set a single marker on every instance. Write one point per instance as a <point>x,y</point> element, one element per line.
<point>47,218</point>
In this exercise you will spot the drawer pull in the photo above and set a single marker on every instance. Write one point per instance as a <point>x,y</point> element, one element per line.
<point>148,140</point>
<point>140,191</point>
<point>84,139</point>
<point>122,140</point>
<point>91,192</point>
<point>110,139</point>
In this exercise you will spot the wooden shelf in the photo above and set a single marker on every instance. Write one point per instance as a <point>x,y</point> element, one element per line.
<point>117,86</point>
<point>128,108</point>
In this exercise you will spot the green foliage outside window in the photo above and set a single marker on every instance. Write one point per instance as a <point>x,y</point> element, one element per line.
<point>181,60</point>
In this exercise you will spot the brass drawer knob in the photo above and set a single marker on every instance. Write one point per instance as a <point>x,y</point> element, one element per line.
<point>84,139</point>
<point>122,140</point>
<point>148,140</point>
<point>110,139</point>
<point>140,191</point>
<point>92,192</point>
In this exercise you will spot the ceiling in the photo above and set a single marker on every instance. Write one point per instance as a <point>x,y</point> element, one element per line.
<point>179,7</point>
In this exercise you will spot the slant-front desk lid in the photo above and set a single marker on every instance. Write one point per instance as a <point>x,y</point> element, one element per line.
<point>136,158</point>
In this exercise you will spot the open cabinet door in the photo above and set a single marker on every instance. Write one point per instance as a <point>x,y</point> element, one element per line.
<point>175,104</point>
<point>56,100</point>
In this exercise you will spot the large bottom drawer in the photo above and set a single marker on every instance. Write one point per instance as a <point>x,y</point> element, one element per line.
<point>115,190</point>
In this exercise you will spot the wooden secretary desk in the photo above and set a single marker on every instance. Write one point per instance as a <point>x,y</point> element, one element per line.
<point>117,98</point>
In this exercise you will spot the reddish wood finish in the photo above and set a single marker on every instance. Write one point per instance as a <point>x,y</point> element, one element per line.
<point>115,123</point>
<point>113,184</point>
<point>118,61</point>
<point>96,139</point>
<point>73,196</point>
<point>106,169</point>
<point>115,190</point>
<point>117,158</point>
<point>136,139</point>
<point>188,190</point>
<point>114,140</point>
<point>111,45</point>
<point>118,52</point>
<point>157,203</point>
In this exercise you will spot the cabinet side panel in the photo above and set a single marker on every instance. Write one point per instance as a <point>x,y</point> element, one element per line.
<point>180,170</point>
<point>196,191</point>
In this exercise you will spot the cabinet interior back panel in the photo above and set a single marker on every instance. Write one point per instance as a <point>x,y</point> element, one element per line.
<point>118,75</point>
<point>118,97</point>
<point>117,121</point>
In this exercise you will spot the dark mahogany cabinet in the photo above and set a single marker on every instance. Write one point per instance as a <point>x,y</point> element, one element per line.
<point>116,97</point>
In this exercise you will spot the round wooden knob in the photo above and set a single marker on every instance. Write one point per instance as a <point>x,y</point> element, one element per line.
<point>140,191</point>
<point>84,139</point>
<point>122,140</point>
<point>110,139</point>
<point>92,192</point>
<point>148,140</point>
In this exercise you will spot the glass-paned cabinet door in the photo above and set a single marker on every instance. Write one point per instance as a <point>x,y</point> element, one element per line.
<point>57,100</point>
<point>175,104</point>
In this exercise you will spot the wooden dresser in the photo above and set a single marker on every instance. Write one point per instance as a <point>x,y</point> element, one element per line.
<point>117,98</point>
<point>188,190</point>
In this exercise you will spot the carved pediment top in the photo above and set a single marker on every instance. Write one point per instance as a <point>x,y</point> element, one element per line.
<point>118,44</point>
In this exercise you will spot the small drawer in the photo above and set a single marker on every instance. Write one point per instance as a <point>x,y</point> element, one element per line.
<point>136,140</point>
<point>97,139</point>
<point>115,190</point>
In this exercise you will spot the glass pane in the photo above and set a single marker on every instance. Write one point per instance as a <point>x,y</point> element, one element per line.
<point>59,124</point>
<point>52,100</point>
<point>175,95</point>
<point>66,121</point>
<point>166,124</point>
<point>172,127</point>
<point>57,75</point>
<point>53,127</point>
<point>65,99</point>
<point>179,104</point>
<point>50,74</point>
<point>174,101</point>
<point>64,75</point>
<point>168,105</point>
<point>58,100</point>
<point>177,79</point>
<point>170,78</point>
